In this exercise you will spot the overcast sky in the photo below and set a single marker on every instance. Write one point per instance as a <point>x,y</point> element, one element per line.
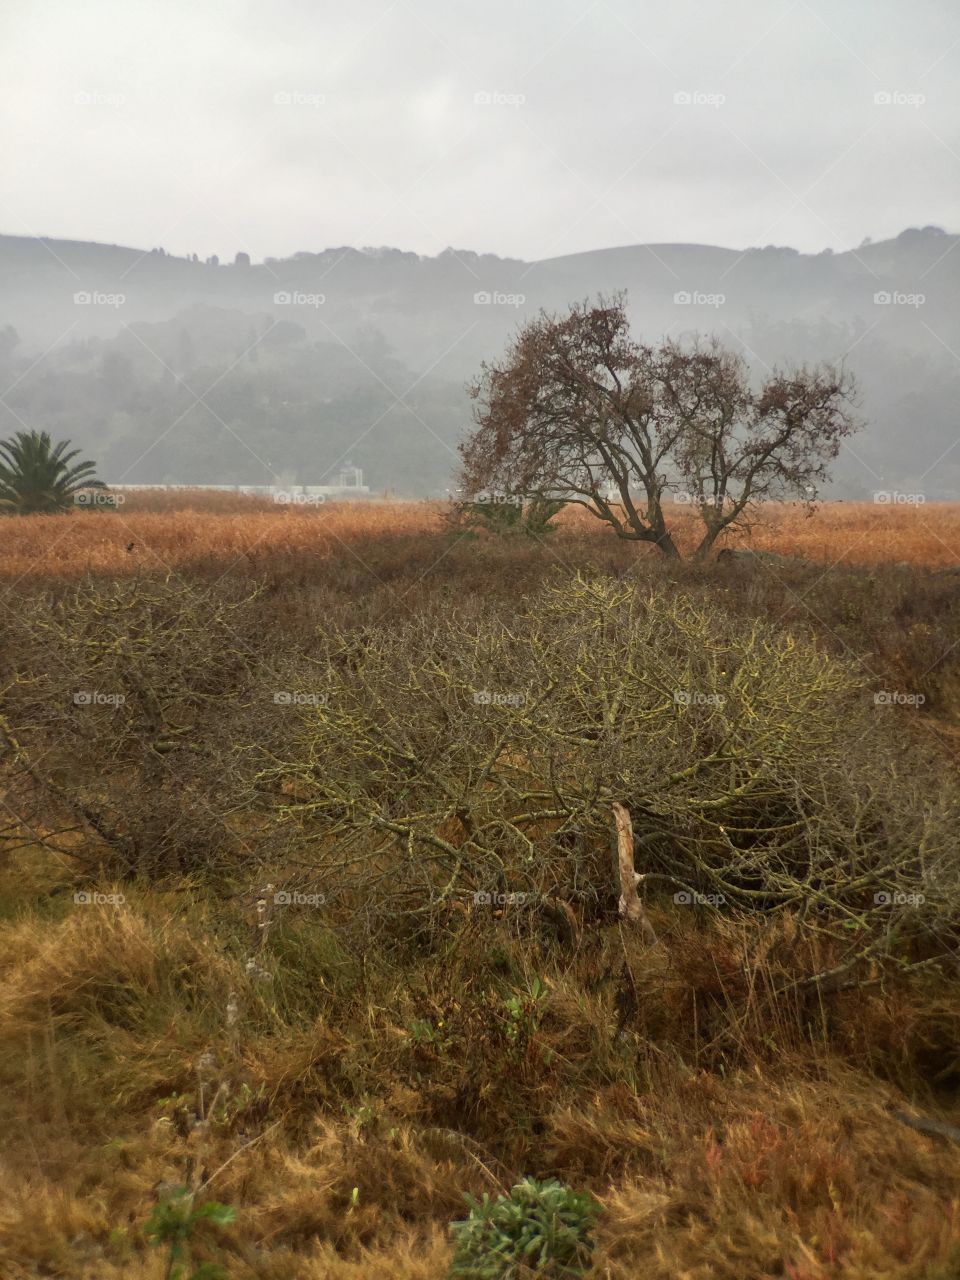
<point>528,128</point>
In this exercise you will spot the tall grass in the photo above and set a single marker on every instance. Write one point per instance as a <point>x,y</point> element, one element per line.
<point>237,534</point>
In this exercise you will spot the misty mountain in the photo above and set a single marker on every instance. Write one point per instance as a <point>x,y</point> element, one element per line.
<point>173,369</point>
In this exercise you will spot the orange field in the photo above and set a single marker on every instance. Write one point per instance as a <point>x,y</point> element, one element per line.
<point>177,531</point>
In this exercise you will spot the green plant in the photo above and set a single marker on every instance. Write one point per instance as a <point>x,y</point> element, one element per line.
<point>36,475</point>
<point>172,1224</point>
<point>541,1228</point>
<point>525,1012</point>
<point>538,514</point>
<point>505,515</point>
<point>422,1031</point>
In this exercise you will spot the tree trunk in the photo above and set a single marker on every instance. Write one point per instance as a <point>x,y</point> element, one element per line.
<point>707,543</point>
<point>667,545</point>
<point>631,908</point>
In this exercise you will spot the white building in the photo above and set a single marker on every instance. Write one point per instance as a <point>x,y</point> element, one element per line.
<point>349,485</point>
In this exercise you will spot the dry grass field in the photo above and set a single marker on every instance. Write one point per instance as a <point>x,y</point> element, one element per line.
<point>179,530</point>
<point>742,1097</point>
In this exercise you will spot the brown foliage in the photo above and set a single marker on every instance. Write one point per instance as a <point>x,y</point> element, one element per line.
<point>580,411</point>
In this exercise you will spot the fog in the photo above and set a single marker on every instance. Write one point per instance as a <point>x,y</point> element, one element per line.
<point>188,288</point>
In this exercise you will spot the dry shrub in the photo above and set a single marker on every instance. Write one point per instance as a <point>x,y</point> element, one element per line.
<point>450,762</point>
<point>119,703</point>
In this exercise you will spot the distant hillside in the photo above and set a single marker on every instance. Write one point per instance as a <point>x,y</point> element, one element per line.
<point>442,316</point>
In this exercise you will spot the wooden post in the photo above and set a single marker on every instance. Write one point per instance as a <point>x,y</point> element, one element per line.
<point>631,908</point>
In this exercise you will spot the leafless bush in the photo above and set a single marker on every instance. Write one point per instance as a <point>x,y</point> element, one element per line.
<point>454,768</point>
<point>447,763</point>
<point>118,703</point>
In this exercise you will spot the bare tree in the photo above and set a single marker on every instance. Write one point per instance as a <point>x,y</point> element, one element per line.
<point>579,411</point>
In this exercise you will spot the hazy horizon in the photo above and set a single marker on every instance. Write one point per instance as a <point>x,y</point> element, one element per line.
<point>665,151</point>
<point>530,133</point>
<point>225,259</point>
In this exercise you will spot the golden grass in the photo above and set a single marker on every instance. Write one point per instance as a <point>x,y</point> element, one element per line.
<point>340,1170</point>
<point>233,533</point>
<point>98,542</point>
<point>862,533</point>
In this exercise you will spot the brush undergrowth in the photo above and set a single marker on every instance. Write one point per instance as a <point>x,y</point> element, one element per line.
<point>181,1030</point>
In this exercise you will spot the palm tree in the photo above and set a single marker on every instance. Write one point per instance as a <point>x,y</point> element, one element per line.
<point>36,476</point>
